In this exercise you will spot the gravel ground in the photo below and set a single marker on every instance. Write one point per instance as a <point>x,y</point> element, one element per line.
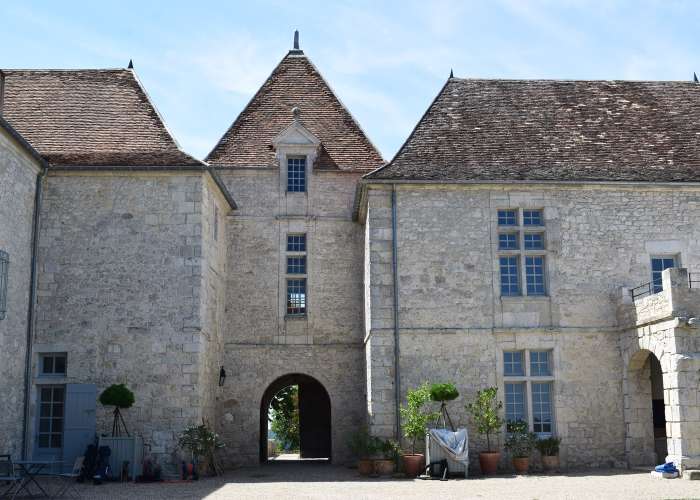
<point>313,481</point>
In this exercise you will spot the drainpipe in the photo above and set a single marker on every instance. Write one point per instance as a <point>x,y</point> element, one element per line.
<point>395,267</point>
<point>31,312</point>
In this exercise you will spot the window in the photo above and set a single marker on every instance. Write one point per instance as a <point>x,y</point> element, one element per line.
<point>510,284</point>
<point>296,243</point>
<point>532,217</point>
<point>296,296</point>
<point>216,223</point>
<point>51,401</point>
<point>507,217</point>
<point>533,385</point>
<point>53,364</point>
<point>533,241</point>
<point>296,274</point>
<point>296,175</point>
<point>534,275</point>
<point>519,265</point>
<point>508,241</point>
<point>658,265</point>
<point>296,265</point>
<point>513,363</point>
<point>4,274</point>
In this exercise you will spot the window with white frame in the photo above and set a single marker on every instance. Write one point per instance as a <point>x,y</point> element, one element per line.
<point>296,274</point>
<point>52,364</point>
<point>4,275</point>
<point>296,175</point>
<point>521,252</point>
<point>659,263</point>
<point>528,381</point>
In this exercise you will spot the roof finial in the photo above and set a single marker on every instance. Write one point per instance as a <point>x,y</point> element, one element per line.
<point>296,112</point>
<point>695,77</point>
<point>296,39</point>
<point>451,73</point>
<point>131,64</point>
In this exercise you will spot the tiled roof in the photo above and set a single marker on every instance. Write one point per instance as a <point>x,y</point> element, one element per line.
<point>89,118</point>
<point>295,82</point>
<point>504,130</point>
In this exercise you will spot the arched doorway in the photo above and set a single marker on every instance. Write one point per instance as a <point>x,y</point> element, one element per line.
<point>645,414</point>
<point>314,415</point>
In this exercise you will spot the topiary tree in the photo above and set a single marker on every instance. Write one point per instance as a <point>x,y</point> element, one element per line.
<point>442,393</point>
<point>119,396</point>
<point>484,410</point>
<point>415,420</point>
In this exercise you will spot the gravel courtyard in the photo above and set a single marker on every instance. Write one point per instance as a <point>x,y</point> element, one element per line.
<point>313,481</point>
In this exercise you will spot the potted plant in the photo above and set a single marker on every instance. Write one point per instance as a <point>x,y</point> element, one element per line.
<point>201,442</point>
<point>442,393</point>
<point>484,411</point>
<point>363,446</point>
<point>119,396</point>
<point>520,442</point>
<point>415,426</point>
<point>388,451</point>
<point>549,451</point>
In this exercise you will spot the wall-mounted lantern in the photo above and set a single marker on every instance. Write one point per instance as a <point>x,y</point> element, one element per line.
<point>222,376</point>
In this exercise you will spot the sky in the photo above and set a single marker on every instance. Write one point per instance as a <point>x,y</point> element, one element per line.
<point>202,61</point>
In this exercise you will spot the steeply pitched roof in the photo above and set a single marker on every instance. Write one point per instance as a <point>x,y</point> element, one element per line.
<point>539,130</point>
<point>90,118</point>
<point>22,142</point>
<point>295,82</point>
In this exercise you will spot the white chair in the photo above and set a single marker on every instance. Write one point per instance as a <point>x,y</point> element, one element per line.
<point>70,478</point>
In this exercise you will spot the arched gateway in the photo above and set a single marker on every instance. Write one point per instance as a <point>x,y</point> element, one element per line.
<point>314,415</point>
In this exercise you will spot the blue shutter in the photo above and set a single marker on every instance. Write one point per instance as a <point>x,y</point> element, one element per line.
<point>79,427</point>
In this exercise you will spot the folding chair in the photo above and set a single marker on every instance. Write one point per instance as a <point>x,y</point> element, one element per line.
<point>70,478</point>
<point>9,477</point>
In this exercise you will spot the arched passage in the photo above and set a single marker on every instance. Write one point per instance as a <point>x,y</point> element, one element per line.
<point>314,415</point>
<point>644,410</point>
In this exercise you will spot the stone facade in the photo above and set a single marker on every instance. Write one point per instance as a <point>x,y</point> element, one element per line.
<point>454,325</point>
<point>18,174</point>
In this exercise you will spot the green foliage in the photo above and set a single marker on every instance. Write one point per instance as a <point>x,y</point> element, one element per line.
<point>117,395</point>
<point>415,420</point>
<point>284,417</point>
<point>362,444</point>
<point>389,449</point>
<point>200,441</point>
<point>549,447</point>
<point>520,441</point>
<point>443,392</point>
<point>484,411</point>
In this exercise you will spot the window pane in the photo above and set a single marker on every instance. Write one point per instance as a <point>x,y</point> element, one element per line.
<point>515,402</point>
<point>44,425</point>
<point>658,264</point>
<point>532,217</point>
<point>47,364</point>
<point>542,407</point>
<point>296,265</point>
<point>296,296</point>
<point>58,394</point>
<point>540,364</point>
<point>508,241</point>
<point>507,217</point>
<point>296,243</point>
<point>513,364</point>
<point>510,283</point>
<point>45,410</point>
<point>43,440</point>
<point>46,394</point>
<point>56,440</point>
<point>534,241</point>
<point>296,175</point>
<point>534,274</point>
<point>59,365</point>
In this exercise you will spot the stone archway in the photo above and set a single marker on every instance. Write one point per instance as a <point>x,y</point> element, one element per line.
<point>314,415</point>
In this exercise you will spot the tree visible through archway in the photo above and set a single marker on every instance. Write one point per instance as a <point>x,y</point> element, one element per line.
<point>283,429</point>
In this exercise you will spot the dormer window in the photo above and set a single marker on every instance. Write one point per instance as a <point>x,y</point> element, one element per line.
<point>296,175</point>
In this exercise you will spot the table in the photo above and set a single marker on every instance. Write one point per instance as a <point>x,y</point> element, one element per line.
<point>30,469</point>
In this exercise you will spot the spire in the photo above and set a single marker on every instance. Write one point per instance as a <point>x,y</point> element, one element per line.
<point>451,73</point>
<point>131,64</point>
<point>296,49</point>
<point>695,77</point>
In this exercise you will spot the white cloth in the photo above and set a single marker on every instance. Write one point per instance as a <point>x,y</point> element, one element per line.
<point>454,443</point>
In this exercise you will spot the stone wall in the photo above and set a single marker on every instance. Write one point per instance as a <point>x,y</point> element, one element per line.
<point>261,342</point>
<point>18,173</point>
<point>121,291</point>
<point>454,325</point>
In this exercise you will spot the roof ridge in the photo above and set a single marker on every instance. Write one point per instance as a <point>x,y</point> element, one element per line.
<point>567,80</point>
<point>62,70</point>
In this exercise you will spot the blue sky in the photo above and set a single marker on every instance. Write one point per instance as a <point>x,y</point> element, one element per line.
<point>202,61</point>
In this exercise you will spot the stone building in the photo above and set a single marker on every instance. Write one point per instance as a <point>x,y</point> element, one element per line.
<point>503,245</point>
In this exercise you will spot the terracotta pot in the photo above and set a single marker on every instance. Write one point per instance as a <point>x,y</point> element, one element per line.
<point>384,467</point>
<point>365,467</point>
<point>413,464</point>
<point>550,463</point>
<point>521,464</point>
<point>488,461</point>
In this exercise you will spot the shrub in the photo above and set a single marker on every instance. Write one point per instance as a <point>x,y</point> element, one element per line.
<point>201,442</point>
<point>362,444</point>
<point>117,395</point>
<point>484,411</point>
<point>520,441</point>
<point>548,447</point>
<point>415,421</point>
<point>443,392</point>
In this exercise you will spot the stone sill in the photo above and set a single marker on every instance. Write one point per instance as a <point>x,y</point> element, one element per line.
<point>295,317</point>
